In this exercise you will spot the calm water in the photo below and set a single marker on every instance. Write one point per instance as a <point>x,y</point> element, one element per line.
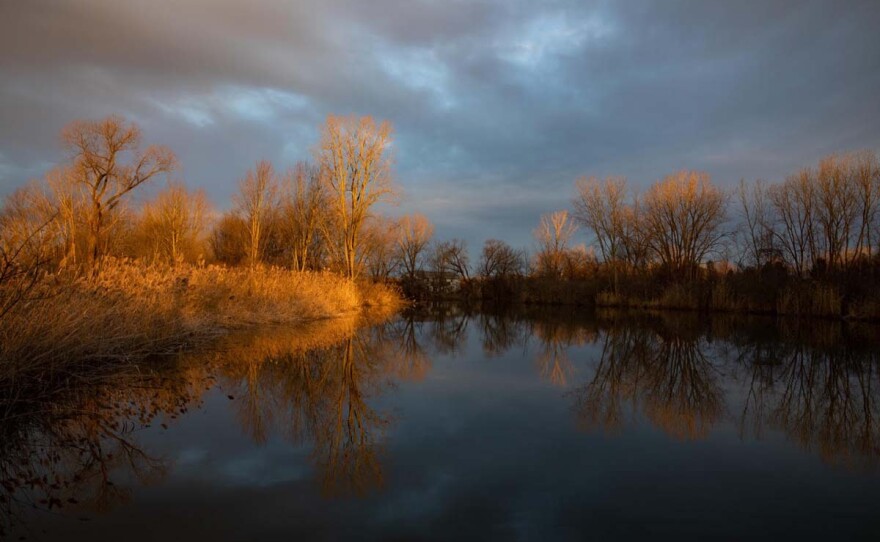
<point>531,426</point>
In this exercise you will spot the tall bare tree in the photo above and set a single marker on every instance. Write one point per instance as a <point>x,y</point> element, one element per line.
<point>793,202</point>
<point>866,176</point>
<point>414,235</point>
<point>553,235</point>
<point>499,260</point>
<point>303,213</point>
<point>257,203</point>
<point>107,164</point>
<point>355,156</point>
<point>836,208</point>
<point>601,207</point>
<point>175,222</point>
<point>683,215</point>
<point>757,230</point>
<point>451,257</point>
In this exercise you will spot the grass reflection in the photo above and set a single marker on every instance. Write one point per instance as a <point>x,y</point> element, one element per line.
<point>77,444</point>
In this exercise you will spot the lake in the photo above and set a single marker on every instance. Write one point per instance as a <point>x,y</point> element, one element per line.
<point>524,424</point>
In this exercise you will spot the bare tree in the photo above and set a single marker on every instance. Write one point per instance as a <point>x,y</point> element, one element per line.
<point>379,247</point>
<point>683,215</point>
<point>836,208</point>
<point>451,257</point>
<point>793,203</point>
<point>355,156</point>
<point>636,241</point>
<point>553,235</point>
<point>414,235</point>
<point>175,222</point>
<point>257,203</point>
<point>828,214</point>
<point>866,176</point>
<point>601,207</point>
<point>107,164</point>
<point>303,213</point>
<point>499,260</point>
<point>229,239</point>
<point>757,230</point>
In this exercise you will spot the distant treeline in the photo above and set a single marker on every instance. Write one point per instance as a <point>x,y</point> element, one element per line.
<point>805,246</point>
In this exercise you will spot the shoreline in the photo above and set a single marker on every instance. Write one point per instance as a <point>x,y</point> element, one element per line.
<point>130,311</point>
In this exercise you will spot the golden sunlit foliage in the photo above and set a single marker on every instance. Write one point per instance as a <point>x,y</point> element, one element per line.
<point>172,227</point>
<point>130,309</point>
<point>682,219</point>
<point>256,203</point>
<point>355,157</point>
<point>553,234</point>
<point>107,164</point>
<point>69,292</point>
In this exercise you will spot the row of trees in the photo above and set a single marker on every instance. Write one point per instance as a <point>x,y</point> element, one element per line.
<point>676,224</point>
<point>316,216</point>
<point>819,219</point>
<point>322,215</point>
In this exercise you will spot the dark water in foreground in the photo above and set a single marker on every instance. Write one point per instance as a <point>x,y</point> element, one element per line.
<point>534,426</point>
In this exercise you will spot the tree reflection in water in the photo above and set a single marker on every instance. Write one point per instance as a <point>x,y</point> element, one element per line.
<point>72,442</point>
<point>667,376</point>
<point>555,337</point>
<point>75,446</point>
<point>816,382</point>
<point>320,395</point>
<point>821,388</point>
<point>448,329</point>
<point>500,331</point>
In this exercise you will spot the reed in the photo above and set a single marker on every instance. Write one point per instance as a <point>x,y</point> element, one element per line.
<point>131,311</point>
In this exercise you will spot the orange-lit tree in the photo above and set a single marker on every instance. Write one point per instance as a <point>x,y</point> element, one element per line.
<point>107,164</point>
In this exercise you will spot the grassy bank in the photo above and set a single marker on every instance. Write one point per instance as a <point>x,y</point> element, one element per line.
<point>130,310</point>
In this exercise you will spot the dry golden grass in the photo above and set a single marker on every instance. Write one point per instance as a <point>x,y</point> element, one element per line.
<point>131,310</point>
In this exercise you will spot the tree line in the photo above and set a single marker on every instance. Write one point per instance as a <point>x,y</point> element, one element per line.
<point>820,225</point>
<point>761,246</point>
<point>318,215</point>
<point>806,245</point>
<point>684,242</point>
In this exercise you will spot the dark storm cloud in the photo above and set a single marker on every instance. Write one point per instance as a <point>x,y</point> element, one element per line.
<point>497,105</point>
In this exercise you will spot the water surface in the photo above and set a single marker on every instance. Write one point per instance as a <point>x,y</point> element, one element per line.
<point>527,425</point>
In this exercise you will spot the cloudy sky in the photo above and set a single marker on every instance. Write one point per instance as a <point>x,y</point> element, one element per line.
<point>498,105</point>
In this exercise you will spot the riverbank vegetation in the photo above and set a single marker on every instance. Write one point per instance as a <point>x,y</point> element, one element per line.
<point>92,274</point>
<point>807,246</point>
<point>88,276</point>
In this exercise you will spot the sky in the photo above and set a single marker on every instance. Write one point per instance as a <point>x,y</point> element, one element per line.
<point>497,105</point>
